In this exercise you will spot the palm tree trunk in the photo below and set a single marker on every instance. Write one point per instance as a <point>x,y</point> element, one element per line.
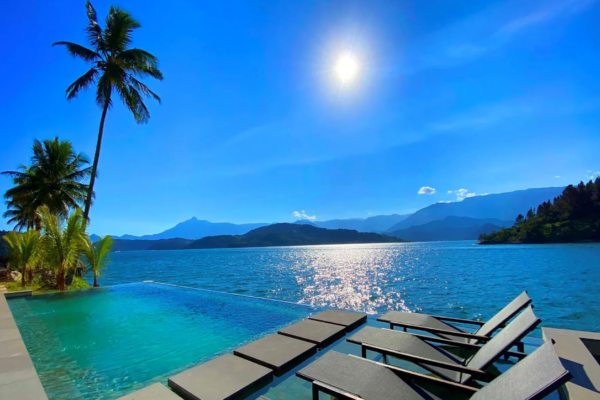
<point>31,275</point>
<point>88,200</point>
<point>23,276</point>
<point>60,280</point>
<point>96,280</point>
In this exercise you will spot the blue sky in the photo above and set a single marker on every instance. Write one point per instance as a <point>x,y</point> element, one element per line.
<point>482,96</point>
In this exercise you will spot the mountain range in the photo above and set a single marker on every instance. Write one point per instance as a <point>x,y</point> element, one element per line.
<point>503,206</point>
<point>272,235</point>
<point>479,214</point>
<point>451,228</point>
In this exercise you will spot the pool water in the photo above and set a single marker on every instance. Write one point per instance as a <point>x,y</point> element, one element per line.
<point>107,342</point>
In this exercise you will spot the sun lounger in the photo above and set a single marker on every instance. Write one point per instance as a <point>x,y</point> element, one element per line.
<point>442,327</point>
<point>418,350</point>
<point>352,378</point>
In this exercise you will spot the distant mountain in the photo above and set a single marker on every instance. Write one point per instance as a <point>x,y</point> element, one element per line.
<point>304,222</point>
<point>94,238</point>
<point>503,206</point>
<point>291,235</point>
<point>162,244</point>
<point>451,228</point>
<point>379,223</point>
<point>267,236</point>
<point>194,228</point>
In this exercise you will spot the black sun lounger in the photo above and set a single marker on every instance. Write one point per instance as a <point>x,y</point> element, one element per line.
<point>441,326</point>
<point>442,363</point>
<point>353,378</point>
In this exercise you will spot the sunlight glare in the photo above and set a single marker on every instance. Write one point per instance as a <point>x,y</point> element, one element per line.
<point>346,68</point>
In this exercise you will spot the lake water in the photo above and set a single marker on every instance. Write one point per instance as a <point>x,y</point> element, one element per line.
<point>457,279</point>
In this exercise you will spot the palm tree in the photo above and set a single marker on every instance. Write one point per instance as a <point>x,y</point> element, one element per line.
<point>63,241</point>
<point>24,250</point>
<point>24,215</point>
<point>115,66</point>
<point>54,180</point>
<point>96,254</point>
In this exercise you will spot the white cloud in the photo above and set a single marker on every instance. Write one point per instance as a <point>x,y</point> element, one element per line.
<point>462,194</point>
<point>302,215</point>
<point>427,190</point>
<point>557,176</point>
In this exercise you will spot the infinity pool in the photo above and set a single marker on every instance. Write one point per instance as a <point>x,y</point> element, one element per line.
<point>104,343</point>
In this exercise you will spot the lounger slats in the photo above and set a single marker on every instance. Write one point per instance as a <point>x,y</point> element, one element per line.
<point>538,375</point>
<point>362,378</point>
<point>407,343</point>
<point>503,341</point>
<point>505,314</point>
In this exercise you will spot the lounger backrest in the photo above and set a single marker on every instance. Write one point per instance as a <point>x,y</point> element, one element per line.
<point>503,341</point>
<point>505,314</point>
<point>533,378</point>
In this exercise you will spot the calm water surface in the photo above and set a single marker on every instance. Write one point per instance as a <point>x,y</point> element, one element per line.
<point>458,279</point>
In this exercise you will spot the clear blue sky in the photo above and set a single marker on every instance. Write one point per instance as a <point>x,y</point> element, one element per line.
<point>487,96</point>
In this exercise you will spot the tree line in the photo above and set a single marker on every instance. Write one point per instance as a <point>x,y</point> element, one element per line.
<point>574,216</point>
<point>45,203</point>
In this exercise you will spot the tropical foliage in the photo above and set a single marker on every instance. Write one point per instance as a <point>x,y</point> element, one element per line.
<point>574,216</point>
<point>115,66</point>
<point>63,239</point>
<point>96,255</point>
<point>55,179</point>
<point>25,251</point>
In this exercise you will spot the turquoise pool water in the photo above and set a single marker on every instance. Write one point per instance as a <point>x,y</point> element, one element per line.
<point>104,343</point>
<point>458,279</point>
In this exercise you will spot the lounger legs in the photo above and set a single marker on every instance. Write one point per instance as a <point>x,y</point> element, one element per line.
<point>521,347</point>
<point>363,351</point>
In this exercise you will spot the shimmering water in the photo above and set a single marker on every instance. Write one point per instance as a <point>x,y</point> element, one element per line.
<point>458,279</point>
<point>103,344</point>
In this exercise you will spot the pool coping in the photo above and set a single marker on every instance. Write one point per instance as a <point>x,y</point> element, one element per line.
<point>23,382</point>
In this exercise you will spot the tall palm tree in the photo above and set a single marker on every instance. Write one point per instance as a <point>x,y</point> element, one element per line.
<point>96,255</point>
<point>54,179</point>
<point>114,66</point>
<point>63,240</point>
<point>24,250</point>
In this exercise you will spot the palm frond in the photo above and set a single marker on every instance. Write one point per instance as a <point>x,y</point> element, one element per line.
<point>143,88</point>
<point>142,115</point>
<point>78,51</point>
<point>82,83</point>
<point>103,91</point>
<point>119,28</point>
<point>94,31</point>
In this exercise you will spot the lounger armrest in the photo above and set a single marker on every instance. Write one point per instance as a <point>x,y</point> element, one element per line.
<point>333,391</point>
<point>460,320</point>
<point>447,341</point>
<point>442,331</point>
<point>427,378</point>
<point>477,373</point>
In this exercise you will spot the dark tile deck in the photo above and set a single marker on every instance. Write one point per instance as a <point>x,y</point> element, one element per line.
<point>277,352</point>
<point>347,319</point>
<point>226,377</point>
<point>320,333</point>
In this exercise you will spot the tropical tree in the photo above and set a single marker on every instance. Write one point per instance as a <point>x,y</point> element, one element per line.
<point>24,251</point>
<point>63,240</point>
<point>115,66</point>
<point>54,179</point>
<point>96,255</point>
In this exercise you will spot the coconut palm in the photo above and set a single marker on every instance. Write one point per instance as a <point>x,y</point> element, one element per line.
<point>96,255</point>
<point>63,240</point>
<point>24,251</point>
<point>23,215</point>
<point>54,179</point>
<point>114,67</point>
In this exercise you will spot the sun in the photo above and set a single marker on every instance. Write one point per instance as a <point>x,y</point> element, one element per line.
<point>347,67</point>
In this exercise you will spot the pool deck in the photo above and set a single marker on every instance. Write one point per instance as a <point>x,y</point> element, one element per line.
<point>578,351</point>
<point>18,377</point>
